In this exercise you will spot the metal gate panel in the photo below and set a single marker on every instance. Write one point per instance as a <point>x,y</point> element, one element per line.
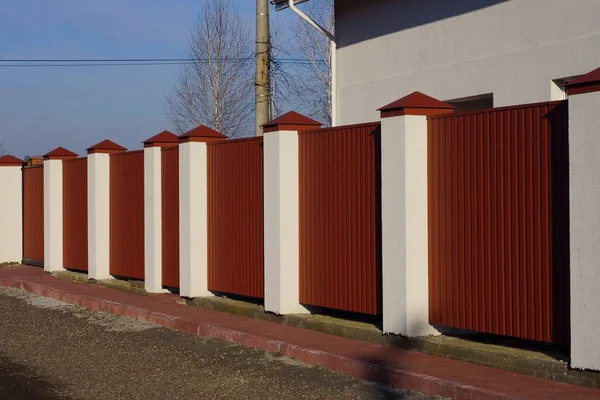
<point>127,214</point>
<point>170,216</point>
<point>75,216</point>
<point>498,221</point>
<point>235,217</point>
<point>340,243</point>
<point>33,215</point>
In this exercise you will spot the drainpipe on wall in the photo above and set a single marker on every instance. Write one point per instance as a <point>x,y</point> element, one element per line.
<point>331,37</point>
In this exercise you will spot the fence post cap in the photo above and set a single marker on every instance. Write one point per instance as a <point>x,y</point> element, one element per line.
<point>60,153</point>
<point>416,103</point>
<point>587,83</point>
<point>163,139</point>
<point>106,147</point>
<point>291,121</point>
<point>10,161</point>
<point>203,134</point>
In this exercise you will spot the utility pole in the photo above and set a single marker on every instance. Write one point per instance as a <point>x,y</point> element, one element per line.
<point>263,64</point>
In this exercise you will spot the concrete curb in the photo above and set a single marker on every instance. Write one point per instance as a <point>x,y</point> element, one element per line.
<point>427,385</point>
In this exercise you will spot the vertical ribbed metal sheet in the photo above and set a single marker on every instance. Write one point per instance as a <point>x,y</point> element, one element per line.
<point>498,221</point>
<point>339,208</point>
<point>75,216</point>
<point>235,217</point>
<point>170,216</point>
<point>33,215</point>
<point>127,214</point>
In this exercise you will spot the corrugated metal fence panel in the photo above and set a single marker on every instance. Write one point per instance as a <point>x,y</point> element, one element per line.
<point>170,216</point>
<point>33,215</point>
<point>75,217</point>
<point>339,206</point>
<point>235,217</point>
<point>498,221</point>
<point>127,214</point>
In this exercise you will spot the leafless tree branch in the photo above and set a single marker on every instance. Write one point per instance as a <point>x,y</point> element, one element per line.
<point>310,84</point>
<point>279,80</point>
<point>217,89</point>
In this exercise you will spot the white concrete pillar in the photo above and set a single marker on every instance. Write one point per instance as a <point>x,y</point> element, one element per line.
<point>99,208</point>
<point>153,209</point>
<point>584,215</point>
<point>193,211</point>
<point>281,212</point>
<point>404,214</point>
<point>53,218</point>
<point>53,208</point>
<point>11,209</point>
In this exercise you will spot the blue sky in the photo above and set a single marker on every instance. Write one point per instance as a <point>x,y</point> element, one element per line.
<point>42,108</point>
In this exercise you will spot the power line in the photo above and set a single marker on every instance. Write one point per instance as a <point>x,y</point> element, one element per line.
<point>74,60</point>
<point>143,60</point>
<point>94,64</point>
<point>54,63</point>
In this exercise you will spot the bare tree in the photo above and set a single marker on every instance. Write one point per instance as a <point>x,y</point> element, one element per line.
<point>217,88</point>
<point>2,151</point>
<point>310,85</point>
<point>279,80</point>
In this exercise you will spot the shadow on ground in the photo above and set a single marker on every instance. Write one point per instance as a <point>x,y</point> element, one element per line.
<point>18,382</point>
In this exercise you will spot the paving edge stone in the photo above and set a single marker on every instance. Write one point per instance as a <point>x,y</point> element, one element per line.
<point>428,385</point>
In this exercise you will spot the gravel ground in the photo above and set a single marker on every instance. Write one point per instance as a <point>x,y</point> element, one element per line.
<point>52,350</point>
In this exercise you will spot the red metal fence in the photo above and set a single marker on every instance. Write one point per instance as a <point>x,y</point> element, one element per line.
<point>75,216</point>
<point>235,217</point>
<point>498,221</point>
<point>33,215</point>
<point>339,205</point>
<point>127,214</point>
<point>170,216</point>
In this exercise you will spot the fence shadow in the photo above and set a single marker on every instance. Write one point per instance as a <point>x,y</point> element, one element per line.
<point>382,366</point>
<point>561,275</point>
<point>383,378</point>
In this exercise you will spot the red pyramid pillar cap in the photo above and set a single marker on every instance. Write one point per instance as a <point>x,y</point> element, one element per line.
<point>163,139</point>
<point>587,83</point>
<point>10,161</point>
<point>291,121</point>
<point>416,103</point>
<point>203,134</point>
<point>60,153</point>
<point>106,147</point>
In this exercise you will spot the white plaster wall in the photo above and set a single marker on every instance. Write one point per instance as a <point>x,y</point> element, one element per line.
<point>452,49</point>
<point>404,226</point>
<point>281,223</point>
<point>11,214</point>
<point>193,220</point>
<point>152,220</point>
<point>584,192</point>
<point>53,215</point>
<point>99,216</point>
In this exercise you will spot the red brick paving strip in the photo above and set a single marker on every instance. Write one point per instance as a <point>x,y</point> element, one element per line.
<point>407,369</point>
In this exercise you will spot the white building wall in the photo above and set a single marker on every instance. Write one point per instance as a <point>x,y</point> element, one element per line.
<point>454,49</point>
